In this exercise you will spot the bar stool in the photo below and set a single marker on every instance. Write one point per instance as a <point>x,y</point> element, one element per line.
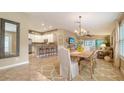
<point>51,50</point>
<point>55,50</point>
<point>44,51</point>
<point>40,52</point>
<point>47,51</point>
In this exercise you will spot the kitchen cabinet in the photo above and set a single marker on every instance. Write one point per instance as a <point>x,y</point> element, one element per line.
<point>41,38</point>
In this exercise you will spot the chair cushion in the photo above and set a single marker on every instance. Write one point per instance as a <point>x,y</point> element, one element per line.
<point>107,58</point>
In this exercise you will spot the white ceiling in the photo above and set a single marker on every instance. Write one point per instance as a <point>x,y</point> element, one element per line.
<point>94,22</point>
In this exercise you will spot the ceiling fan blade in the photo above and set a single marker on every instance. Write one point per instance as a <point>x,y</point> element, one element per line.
<point>89,35</point>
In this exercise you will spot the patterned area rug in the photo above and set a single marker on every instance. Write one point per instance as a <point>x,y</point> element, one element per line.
<point>40,69</point>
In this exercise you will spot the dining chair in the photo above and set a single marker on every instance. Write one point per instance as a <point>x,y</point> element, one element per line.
<point>90,62</point>
<point>68,69</point>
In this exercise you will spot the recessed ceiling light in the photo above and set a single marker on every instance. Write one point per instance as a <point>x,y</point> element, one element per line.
<point>43,24</point>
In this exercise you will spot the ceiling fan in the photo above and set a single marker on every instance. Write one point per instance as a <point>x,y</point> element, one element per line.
<point>88,34</point>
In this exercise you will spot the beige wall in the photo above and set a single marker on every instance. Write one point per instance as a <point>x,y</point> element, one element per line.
<point>122,66</point>
<point>22,19</point>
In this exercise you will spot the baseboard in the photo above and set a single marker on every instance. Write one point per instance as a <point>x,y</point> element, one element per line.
<point>14,65</point>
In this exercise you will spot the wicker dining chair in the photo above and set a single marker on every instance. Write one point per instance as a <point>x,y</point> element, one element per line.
<point>90,62</point>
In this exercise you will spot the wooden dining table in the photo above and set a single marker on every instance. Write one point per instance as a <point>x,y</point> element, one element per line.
<point>84,54</point>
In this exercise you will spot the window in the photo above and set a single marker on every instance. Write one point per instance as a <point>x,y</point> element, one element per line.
<point>89,44</point>
<point>99,42</point>
<point>121,40</point>
<point>7,44</point>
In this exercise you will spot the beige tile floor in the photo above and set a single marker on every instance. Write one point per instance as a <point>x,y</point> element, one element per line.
<point>48,69</point>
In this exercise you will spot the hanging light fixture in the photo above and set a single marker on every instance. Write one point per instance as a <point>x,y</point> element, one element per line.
<point>80,31</point>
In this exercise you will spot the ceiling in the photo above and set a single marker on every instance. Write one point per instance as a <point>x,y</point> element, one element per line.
<point>94,22</point>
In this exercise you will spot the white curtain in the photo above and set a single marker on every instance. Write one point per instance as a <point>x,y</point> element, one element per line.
<point>116,47</point>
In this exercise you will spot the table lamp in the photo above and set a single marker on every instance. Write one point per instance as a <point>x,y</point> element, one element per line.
<point>103,46</point>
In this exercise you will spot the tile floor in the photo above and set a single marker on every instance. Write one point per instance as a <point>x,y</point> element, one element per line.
<point>40,69</point>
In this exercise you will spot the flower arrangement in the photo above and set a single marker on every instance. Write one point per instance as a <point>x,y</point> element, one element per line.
<point>79,47</point>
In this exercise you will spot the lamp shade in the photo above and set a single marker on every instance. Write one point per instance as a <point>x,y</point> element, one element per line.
<point>103,45</point>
